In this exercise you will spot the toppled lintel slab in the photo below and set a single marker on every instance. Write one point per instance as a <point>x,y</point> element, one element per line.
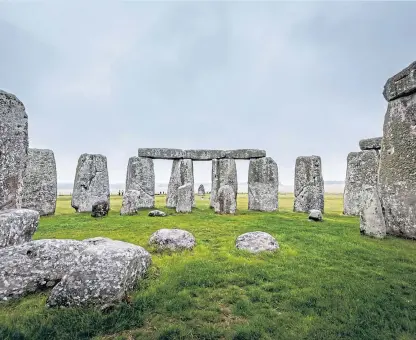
<point>200,154</point>
<point>371,143</point>
<point>402,84</point>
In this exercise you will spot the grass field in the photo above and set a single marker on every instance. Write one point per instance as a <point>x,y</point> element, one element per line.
<point>326,281</point>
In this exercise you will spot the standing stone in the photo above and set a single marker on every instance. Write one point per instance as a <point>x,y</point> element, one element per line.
<point>185,198</point>
<point>224,172</point>
<point>225,202</point>
<point>371,217</point>
<point>182,173</point>
<point>91,183</point>
<point>141,177</point>
<point>40,182</point>
<point>309,184</point>
<point>263,184</point>
<point>17,226</point>
<point>13,149</point>
<point>201,190</point>
<point>131,202</point>
<point>360,181</point>
<point>397,170</point>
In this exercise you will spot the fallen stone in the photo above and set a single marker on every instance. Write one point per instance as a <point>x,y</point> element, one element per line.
<point>141,177</point>
<point>371,143</point>
<point>315,215</point>
<point>256,242</point>
<point>201,190</point>
<point>245,153</point>
<point>224,172</point>
<point>91,183</point>
<point>182,173</point>
<point>161,153</point>
<point>225,203</point>
<point>17,226</point>
<point>402,84</point>
<point>360,181</point>
<point>100,209</point>
<point>172,239</point>
<point>185,198</point>
<point>130,204</point>
<point>309,184</point>
<point>14,148</point>
<point>203,155</point>
<point>371,217</point>
<point>157,213</point>
<point>263,184</point>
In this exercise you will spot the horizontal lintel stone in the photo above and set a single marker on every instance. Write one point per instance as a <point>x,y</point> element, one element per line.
<point>402,84</point>
<point>200,154</point>
<point>371,143</point>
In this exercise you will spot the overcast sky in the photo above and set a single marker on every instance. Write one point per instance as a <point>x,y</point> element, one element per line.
<point>294,79</point>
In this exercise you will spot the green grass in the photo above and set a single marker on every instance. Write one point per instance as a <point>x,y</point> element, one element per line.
<point>326,281</point>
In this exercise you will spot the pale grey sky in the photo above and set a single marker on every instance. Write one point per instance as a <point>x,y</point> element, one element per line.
<point>294,79</point>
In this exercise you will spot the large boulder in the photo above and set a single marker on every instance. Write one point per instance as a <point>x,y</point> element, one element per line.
<point>91,183</point>
<point>371,217</point>
<point>309,184</point>
<point>397,179</point>
<point>370,143</point>
<point>172,239</point>
<point>17,226</point>
<point>14,148</point>
<point>224,172</point>
<point>201,190</point>
<point>141,177</point>
<point>102,275</point>
<point>40,182</point>
<point>263,184</point>
<point>256,242</point>
<point>131,202</point>
<point>185,198</point>
<point>100,209</point>
<point>182,173</point>
<point>225,202</point>
<point>360,180</point>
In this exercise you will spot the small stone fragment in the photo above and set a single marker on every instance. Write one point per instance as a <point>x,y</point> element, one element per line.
<point>100,209</point>
<point>172,239</point>
<point>17,226</point>
<point>225,203</point>
<point>371,217</point>
<point>256,242</point>
<point>185,198</point>
<point>315,215</point>
<point>157,213</point>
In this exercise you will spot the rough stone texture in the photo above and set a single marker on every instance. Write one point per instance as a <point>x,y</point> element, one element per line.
<point>130,204</point>
<point>157,213</point>
<point>185,198</point>
<point>401,84</point>
<point>161,153</point>
<point>225,202</point>
<point>201,190</point>
<point>371,143</point>
<point>245,153</point>
<point>224,172</point>
<point>40,182</point>
<point>309,184</point>
<point>315,215</point>
<point>371,217</point>
<point>100,209</point>
<point>172,239</point>
<point>360,180</point>
<point>141,177</point>
<point>182,173</point>
<point>13,150</point>
<point>102,275</point>
<point>91,183</point>
<point>17,226</point>
<point>263,184</point>
<point>256,242</point>
<point>203,155</point>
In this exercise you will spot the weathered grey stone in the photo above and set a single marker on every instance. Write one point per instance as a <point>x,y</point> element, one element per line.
<point>225,202</point>
<point>315,215</point>
<point>161,153</point>
<point>157,213</point>
<point>401,84</point>
<point>371,143</point>
<point>360,180</point>
<point>40,182</point>
<point>263,184</point>
<point>172,239</point>
<point>203,155</point>
<point>91,183</point>
<point>256,241</point>
<point>102,275</point>
<point>131,202</point>
<point>141,177</point>
<point>224,172</point>
<point>309,184</point>
<point>371,217</point>
<point>201,190</point>
<point>245,153</point>
<point>185,198</point>
<point>182,173</point>
<point>17,226</point>
<point>13,150</point>
<point>100,209</point>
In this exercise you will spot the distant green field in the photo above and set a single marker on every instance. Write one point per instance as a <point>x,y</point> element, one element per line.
<point>326,281</point>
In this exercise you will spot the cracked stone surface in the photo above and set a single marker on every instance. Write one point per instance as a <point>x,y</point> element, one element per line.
<point>185,198</point>
<point>256,242</point>
<point>182,173</point>
<point>371,217</point>
<point>91,183</point>
<point>141,177</point>
<point>17,226</point>
<point>224,172</point>
<point>172,239</point>
<point>225,202</point>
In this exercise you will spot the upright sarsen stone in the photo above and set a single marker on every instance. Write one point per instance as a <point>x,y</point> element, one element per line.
<point>182,173</point>
<point>40,182</point>
<point>185,198</point>
<point>309,184</point>
<point>141,177</point>
<point>13,149</point>
<point>224,172</point>
<point>263,184</point>
<point>91,183</point>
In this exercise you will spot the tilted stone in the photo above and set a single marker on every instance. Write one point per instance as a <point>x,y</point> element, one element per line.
<point>203,155</point>
<point>245,153</point>
<point>309,184</point>
<point>102,275</point>
<point>14,147</point>
<point>161,153</point>
<point>263,184</point>
<point>91,183</point>
<point>201,190</point>
<point>172,239</point>
<point>371,143</point>
<point>185,198</point>
<point>402,84</point>
<point>225,202</point>
<point>141,177</point>
<point>224,172</point>
<point>40,182</point>
<point>256,241</point>
<point>17,226</point>
<point>182,173</point>
<point>360,180</point>
<point>371,217</point>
